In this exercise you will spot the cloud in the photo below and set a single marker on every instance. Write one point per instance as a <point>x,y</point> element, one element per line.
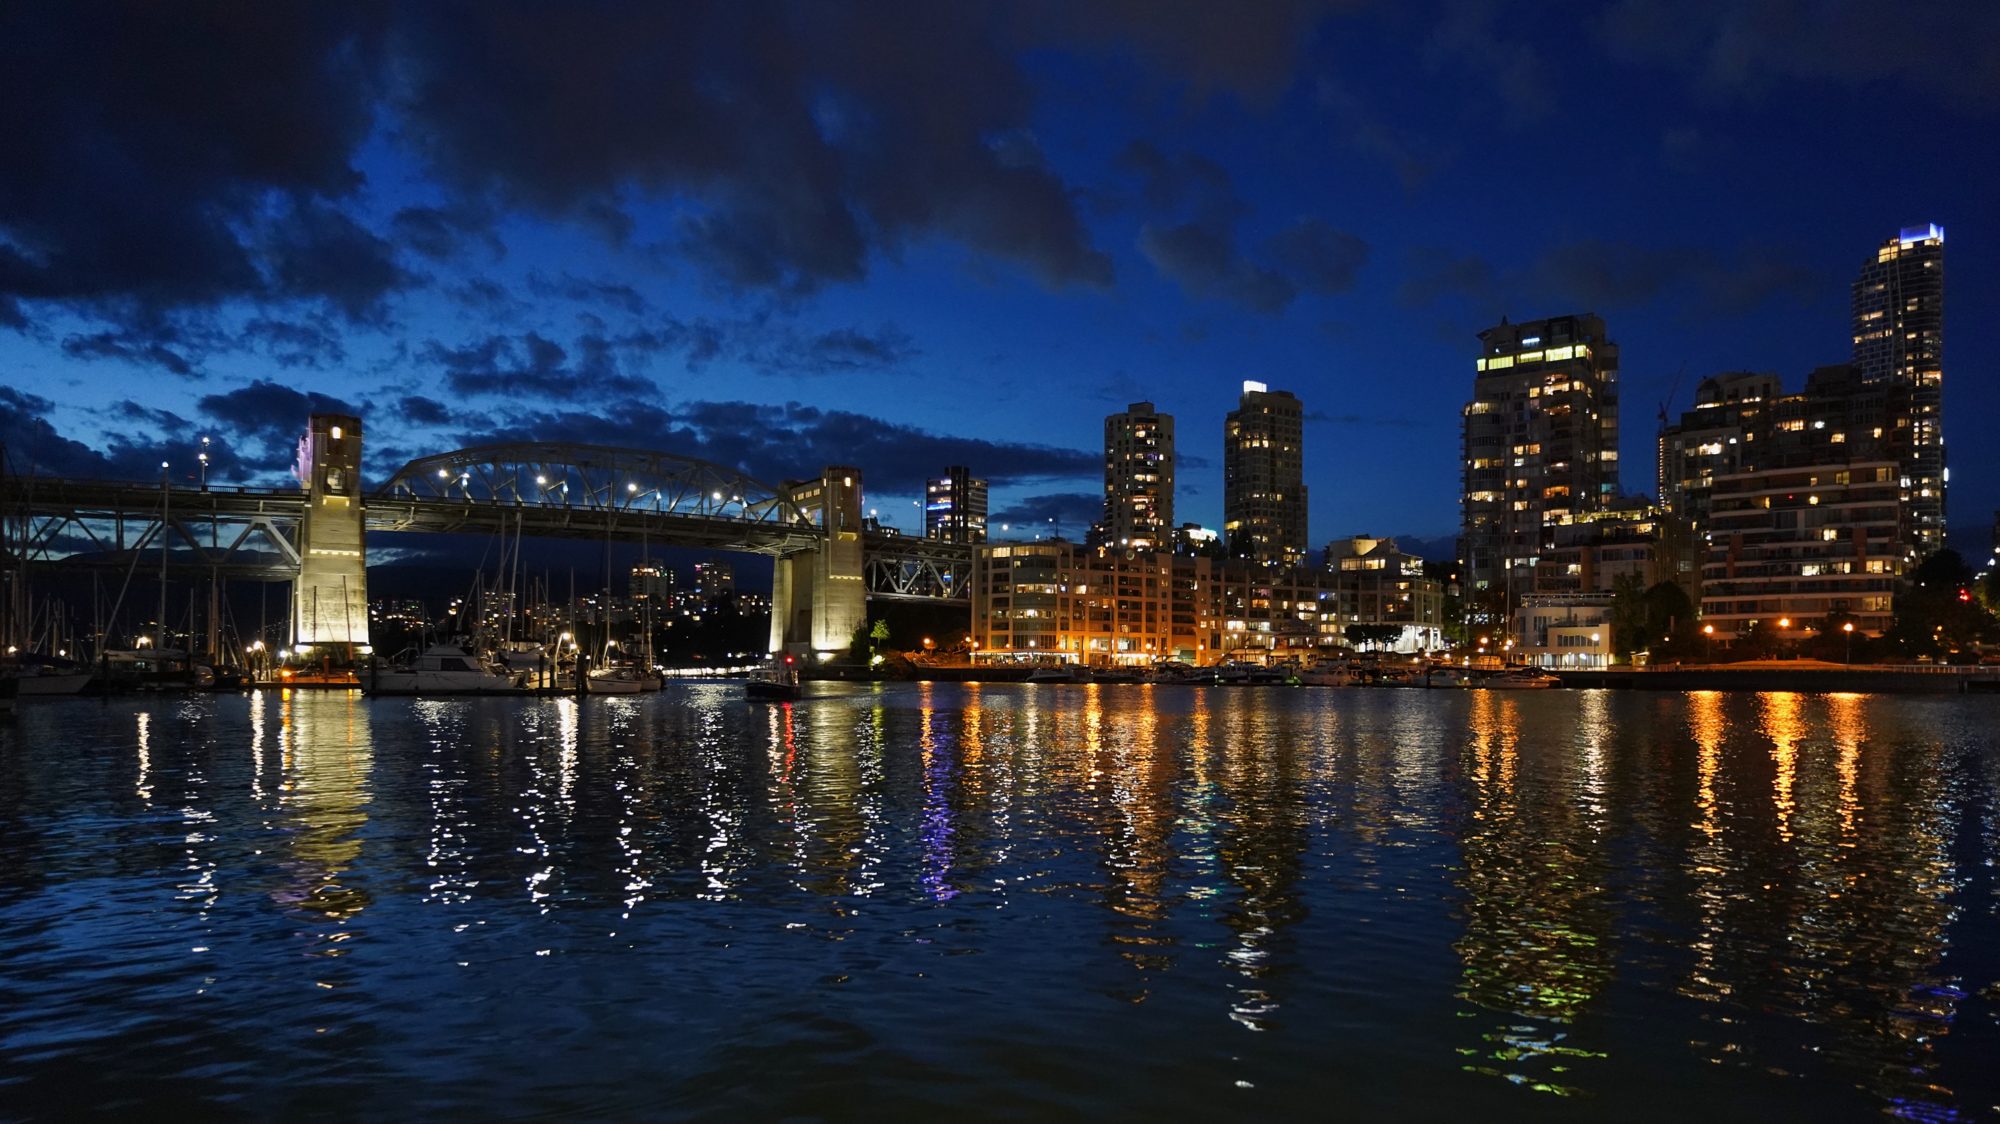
<point>419,410</point>
<point>443,233</point>
<point>840,351</point>
<point>1949,52</point>
<point>791,441</point>
<point>1318,257</point>
<point>599,294</point>
<point>1199,252</point>
<point>34,447</point>
<point>295,343</point>
<point>533,366</point>
<point>128,346</point>
<point>1596,273</point>
<point>262,421</point>
<point>1073,512</point>
<point>158,141</point>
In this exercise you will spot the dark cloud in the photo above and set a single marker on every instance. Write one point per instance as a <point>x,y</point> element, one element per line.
<point>146,146</point>
<point>34,447</point>
<point>1318,257</point>
<point>419,410</point>
<point>792,441</point>
<point>807,135</point>
<point>295,343</point>
<point>841,351</point>
<point>443,233</point>
<point>534,366</point>
<point>319,252</point>
<point>1200,252</point>
<point>262,422</point>
<point>1594,273</point>
<point>1202,258</point>
<point>127,346</point>
<point>1072,512</point>
<point>584,291</point>
<point>1945,50</point>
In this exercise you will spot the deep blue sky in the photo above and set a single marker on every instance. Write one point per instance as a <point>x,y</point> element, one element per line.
<point>902,235</point>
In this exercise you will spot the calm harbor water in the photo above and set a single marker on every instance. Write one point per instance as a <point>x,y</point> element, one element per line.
<point>1004,902</point>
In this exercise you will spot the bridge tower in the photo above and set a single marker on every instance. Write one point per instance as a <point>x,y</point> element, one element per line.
<point>330,599</point>
<point>817,598</point>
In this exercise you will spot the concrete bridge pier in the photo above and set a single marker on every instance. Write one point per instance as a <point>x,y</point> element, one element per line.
<point>818,598</point>
<point>330,599</point>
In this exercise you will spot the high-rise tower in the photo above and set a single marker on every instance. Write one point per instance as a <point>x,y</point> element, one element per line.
<point>1899,338</point>
<point>1139,478</point>
<point>955,506</point>
<point>1540,449</point>
<point>1263,477</point>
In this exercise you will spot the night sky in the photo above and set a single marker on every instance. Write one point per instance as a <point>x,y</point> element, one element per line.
<point>903,235</point>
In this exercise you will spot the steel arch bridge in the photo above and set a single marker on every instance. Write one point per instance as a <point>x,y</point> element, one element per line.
<point>546,488</point>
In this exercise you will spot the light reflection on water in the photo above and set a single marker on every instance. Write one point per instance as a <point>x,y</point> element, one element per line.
<point>1003,900</point>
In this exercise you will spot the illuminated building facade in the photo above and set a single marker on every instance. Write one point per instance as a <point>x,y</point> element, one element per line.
<point>1263,477</point>
<point>651,581</point>
<point>955,507</point>
<point>330,598</point>
<point>1139,478</point>
<point>1093,605</point>
<point>1797,543</point>
<point>1899,339</point>
<point>1540,447</point>
<point>1375,582</point>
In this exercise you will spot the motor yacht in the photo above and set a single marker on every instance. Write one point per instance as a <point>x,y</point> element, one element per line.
<point>444,669</point>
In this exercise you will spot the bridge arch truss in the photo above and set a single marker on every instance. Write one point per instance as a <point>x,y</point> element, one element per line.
<point>558,486</point>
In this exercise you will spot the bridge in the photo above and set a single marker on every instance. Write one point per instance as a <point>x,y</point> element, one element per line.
<point>827,559</point>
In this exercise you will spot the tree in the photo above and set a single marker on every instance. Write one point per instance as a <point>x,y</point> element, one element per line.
<point>1937,615</point>
<point>1629,631</point>
<point>1362,635</point>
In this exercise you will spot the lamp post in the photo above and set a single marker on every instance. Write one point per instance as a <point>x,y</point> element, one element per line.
<point>1784,626</point>
<point>1848,628</point>
<point>1708,634</point>
<point>202,457</point>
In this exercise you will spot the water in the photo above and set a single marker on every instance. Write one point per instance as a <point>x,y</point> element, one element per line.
<point>1003,902</point>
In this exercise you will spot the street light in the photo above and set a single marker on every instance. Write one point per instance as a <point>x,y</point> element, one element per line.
<point>1708,633</point>
<point>1848,628</point>
<point>203,458</point>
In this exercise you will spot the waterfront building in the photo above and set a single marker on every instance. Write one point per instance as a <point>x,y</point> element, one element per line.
<point>1092,605</point>
<point>1138,478</point>
<point>955,507</point>
<point>1263,477</point>
<point>1899,339</point>
<point>1540,447</point>
<point>1790,546</point>
<point>1375,582</point>
<point>1592,552</point>
<point>1742,428</point>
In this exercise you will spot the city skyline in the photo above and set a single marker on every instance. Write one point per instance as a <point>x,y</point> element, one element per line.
<point>1093,211</point>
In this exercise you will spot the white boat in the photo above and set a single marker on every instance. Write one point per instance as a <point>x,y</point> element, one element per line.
<point>614,681</point>
<point>1117,674</point>
<point>444,669</point>
<point>1325,675</point>
<point>1522,679</point>
<point>42,681</point>
<point>1060,674</point>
